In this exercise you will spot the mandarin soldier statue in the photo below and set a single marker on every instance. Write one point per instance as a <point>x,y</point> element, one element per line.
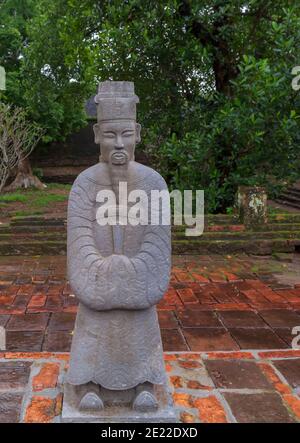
<point>118,272</point>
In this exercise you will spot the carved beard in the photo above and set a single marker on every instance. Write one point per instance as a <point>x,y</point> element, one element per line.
<point>118,173</point>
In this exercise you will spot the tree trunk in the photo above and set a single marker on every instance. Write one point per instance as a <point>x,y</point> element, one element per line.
<point>24,178</point>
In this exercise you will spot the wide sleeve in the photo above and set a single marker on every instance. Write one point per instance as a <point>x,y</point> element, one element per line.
<point>83,258</point>
<point>116,281</point>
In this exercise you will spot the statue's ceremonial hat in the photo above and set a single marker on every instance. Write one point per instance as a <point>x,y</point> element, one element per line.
<point>116,101</point>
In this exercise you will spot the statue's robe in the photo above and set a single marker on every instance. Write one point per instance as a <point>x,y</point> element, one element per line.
<point>116,341</point>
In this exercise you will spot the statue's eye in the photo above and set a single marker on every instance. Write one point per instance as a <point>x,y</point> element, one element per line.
<point>127,133</point>
<point>109,134</point>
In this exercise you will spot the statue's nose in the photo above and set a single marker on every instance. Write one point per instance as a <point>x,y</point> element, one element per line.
<point>119,144</point>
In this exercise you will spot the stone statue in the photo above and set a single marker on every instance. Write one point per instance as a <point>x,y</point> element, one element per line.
<point>118,273</point>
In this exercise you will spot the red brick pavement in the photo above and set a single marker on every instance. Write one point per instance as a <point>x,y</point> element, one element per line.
<point>212,304</point>
<point>211,387</point>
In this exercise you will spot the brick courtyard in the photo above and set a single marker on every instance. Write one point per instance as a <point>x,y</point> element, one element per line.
<point>226,324</point>
<point>222,387</point>
<point>213,303</point>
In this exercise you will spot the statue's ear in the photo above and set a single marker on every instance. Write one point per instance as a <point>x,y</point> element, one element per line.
<point>96,129</point>
<point>138,132</point>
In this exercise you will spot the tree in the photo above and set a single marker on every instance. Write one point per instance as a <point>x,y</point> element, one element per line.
<point>214,78</point>
<point>14,15</point>
<point>18,138</point>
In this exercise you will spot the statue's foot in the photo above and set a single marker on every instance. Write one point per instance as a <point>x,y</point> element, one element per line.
<point>90,398</point>
<point>91,402</point>
<point>145,400</point>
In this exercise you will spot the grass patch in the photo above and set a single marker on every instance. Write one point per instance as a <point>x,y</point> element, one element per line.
<point>272,210</point>
<point>34,201</point>
<point>27,213</point>
<point>46,199</point>
<point>53,186</point>
<point>13,197</point>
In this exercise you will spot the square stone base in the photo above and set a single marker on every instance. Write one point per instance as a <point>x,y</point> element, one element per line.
<point>119,414</point>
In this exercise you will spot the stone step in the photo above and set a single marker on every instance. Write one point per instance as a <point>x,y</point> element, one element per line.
<point>287,217</point>
<point>42,223</point>
<point>231,236</point>
<point>61,235</point>
<point>33,248</point>
<point>288,203</point>
<point>278,227</point>
<point>290,197</point>
<point>259,247</point>
<point>241,228</point>
<point>37,217</point>
<point>213,227</point>
<point>213,231</point>
<point>210,219</point>
<point>179,246</point>
<point>45,236</point>
<point>293,191</point>
<point>36,228</point>
<point>15,229</point>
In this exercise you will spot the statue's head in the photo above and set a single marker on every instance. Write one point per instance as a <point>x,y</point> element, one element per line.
<point>116,130</point>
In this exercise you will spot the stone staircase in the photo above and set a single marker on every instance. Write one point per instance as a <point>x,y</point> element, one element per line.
<point>38,235</point>
<point>290,197</point>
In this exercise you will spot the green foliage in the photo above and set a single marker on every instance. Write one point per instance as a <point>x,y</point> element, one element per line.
<point>38,172</point>
<point>214,80</point>
<point>52,100</point>
<point>14,14</point>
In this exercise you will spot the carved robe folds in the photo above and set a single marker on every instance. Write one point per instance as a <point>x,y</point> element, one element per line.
<point>116,341</point>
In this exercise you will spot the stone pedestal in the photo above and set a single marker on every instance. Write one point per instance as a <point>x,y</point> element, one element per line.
<point>116,413</point>
<point>252,205</point>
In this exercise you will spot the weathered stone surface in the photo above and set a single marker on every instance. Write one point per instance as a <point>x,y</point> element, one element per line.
<point>167,320</point>
<point>236,374</point>
<point>24,341</point>
<point>257,338</point>
<point>14,375</point>
<point>40,410</point>
<point>27,322</point>
<point>61,321</point>
<point>3,320</point>
<point>46,378</point>
<point>252,205</point>
<point>118,271</point>
<point>173,340</point>
<point>212,297</point>
<point>123,413</point>
<point>290,369</point>
<point>285,334</point>
<point>209,339</point>
<point>281,318</point>
<point>210,410</point>
<point>258,408</point>
<point>194,318</point>
<point>245,319</point>
<point>57,341</point>
<point>10,407</point>
<point>195,396</point>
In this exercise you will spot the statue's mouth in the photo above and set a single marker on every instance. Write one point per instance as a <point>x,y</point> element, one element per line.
<point>119,158</point>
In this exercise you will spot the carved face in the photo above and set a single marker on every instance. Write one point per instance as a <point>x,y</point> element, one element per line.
<point>117,140</point>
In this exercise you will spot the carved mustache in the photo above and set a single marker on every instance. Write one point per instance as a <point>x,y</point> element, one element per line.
<point>118,155</point>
